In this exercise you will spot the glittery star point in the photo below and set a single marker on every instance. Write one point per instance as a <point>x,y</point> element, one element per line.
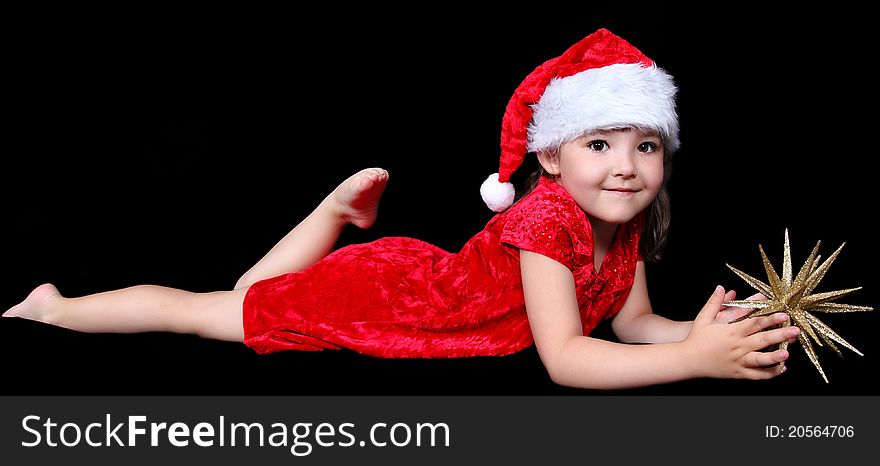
<point>794,296</point>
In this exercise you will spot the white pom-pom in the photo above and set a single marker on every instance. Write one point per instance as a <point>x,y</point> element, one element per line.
<point>498,196</point>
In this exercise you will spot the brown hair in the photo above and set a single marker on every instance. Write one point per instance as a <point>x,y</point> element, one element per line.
<point>656,225</point>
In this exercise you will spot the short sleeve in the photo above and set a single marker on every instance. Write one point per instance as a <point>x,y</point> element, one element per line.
<point>542,224</point>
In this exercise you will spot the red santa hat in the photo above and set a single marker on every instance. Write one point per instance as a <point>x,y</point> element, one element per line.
<point>599,83</point>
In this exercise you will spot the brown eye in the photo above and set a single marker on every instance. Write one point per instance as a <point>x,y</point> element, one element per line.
<point>598,145</point>
<point>647,147</point>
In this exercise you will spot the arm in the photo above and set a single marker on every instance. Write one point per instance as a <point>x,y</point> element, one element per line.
<point>711,349</point>
<point>636,321</point>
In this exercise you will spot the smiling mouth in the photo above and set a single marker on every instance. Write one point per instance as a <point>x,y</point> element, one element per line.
<point>623,191</point>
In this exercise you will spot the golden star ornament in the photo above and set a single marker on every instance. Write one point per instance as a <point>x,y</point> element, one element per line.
<point>795,297</point>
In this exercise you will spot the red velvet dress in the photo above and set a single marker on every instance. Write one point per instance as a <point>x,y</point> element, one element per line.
<point>399,297</point>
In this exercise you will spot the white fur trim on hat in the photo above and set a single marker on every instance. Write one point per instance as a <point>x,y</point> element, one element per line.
<point>498,196</point>
<point>620,95</point>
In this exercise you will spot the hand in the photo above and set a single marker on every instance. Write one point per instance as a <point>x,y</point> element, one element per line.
<point>730,313</point>
<point>717,349</point>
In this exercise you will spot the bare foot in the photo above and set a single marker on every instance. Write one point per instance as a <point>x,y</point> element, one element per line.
<point>37,305</point>
<point>357,198</point>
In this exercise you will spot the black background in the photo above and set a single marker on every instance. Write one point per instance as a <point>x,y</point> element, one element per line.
<point>176,151</point>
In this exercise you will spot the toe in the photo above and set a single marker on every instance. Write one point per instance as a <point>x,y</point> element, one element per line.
<point>366,183</point>
<point>14,311</point>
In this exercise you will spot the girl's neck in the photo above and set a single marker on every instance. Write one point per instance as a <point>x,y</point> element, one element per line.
<point>603,236</point>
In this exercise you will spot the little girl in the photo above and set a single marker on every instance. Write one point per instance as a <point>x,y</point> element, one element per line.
<point>545,270</point>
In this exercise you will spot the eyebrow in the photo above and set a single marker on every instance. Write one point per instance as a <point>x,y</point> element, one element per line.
<point>647,133</point>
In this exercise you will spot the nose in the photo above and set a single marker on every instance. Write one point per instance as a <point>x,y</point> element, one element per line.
<point>624,166</point>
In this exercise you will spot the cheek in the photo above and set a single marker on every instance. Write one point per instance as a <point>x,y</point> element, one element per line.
<point>652,174</point>
<point>586,174</point>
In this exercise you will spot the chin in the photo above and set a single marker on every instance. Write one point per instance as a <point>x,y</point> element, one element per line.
<point>613,218</point>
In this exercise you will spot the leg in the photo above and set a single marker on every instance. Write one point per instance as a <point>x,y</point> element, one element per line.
<point>355,201</point>
<point>140,308</point>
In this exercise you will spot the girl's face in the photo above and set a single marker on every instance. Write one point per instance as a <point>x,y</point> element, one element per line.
<point>612,174</point>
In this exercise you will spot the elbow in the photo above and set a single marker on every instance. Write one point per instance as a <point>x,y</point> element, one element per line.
<point>627,331</point>
<point>574,366</point>
<point>564,378</point>
<point>558,369</point>
<point>559,378</point>
<point>627,338</point>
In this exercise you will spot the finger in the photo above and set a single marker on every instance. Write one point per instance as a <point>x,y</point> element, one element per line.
<point>764,373</point>
<point>711,308</point>
<point>734,313</point>
<point>764,339</point>
<point>757,324</point>
<point>745,309</point>
<point>729,296</point>
<point>757,297</point>
<point>758,359</point>
<point>726,315</point>
<point>754,297</point>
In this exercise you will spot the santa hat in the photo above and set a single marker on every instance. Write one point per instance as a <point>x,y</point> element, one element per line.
<point>600,82</point>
